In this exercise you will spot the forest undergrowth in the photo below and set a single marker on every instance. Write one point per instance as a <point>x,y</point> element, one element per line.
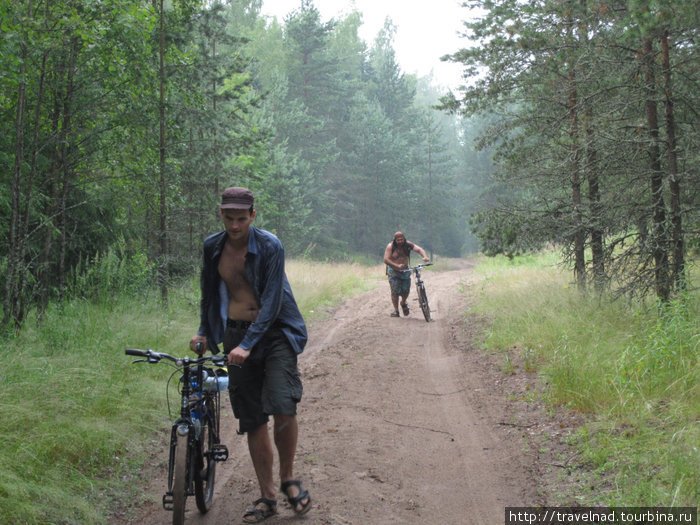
<point>630,368</point>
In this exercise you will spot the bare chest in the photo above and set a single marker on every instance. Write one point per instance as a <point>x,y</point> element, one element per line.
<point>399,256</point>
<point>232,267</point>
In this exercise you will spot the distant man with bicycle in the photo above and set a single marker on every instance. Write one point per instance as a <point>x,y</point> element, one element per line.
<point>247,303</point>
<point>396,258</point>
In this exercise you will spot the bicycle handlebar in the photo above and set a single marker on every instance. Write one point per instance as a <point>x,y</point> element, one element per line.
<point>155,357</point>
<point>418,267</point>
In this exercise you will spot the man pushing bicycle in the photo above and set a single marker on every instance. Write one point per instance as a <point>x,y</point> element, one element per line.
<point>396,258</point>
<point>247,303</point>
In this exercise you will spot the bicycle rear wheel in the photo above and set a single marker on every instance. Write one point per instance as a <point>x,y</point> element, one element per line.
<point>179,487</point>
<point>423,300</point>
<point>205,464</point>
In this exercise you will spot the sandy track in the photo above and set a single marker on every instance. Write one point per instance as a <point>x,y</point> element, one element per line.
<point>402,421</point>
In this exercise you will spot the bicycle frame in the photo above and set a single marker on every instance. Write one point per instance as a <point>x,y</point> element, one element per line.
<point>416,270</point>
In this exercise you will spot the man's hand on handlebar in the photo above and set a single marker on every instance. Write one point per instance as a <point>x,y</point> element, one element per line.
<point>200,348</point>
<point>426,259</point>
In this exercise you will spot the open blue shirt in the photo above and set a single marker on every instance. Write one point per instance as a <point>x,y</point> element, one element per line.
<point>264,269</point>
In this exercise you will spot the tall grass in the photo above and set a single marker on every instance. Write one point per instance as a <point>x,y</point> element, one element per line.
<point>319,286</point>
<point>631,368</point>
<point>77,420</point>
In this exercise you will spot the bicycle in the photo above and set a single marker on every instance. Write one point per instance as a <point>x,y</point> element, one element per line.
<point>420,289</point>
<point>195,447</point>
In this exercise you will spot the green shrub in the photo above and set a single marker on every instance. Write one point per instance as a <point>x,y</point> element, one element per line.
<point>112,272</point>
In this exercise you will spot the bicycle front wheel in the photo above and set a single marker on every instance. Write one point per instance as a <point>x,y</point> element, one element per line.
<point>205,463</point>
<point>179,488</point>
<point>423,300</point>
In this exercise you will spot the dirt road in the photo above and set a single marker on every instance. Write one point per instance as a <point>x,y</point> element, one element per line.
<point>402,421</point>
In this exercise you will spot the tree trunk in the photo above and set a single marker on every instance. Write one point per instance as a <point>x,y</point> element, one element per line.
<point>597,247</point>
<point>591,171</point>
<point>45,268</point>
<point>12,291</point>
<point>66,164</point>
<point>163,214</point>
<point>677,245</point>
<point>431,204</point>
<point>596,212</point>
<point>24,240</point>
<point>579,230</point>
<point>658,236</point>
<point>216,176</point>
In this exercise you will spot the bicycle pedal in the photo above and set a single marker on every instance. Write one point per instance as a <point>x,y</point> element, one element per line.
<point>168,501</point>
<point>219,452</point>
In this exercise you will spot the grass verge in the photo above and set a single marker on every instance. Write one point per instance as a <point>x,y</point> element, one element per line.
<point>78,421</point>
<point>631,368</point>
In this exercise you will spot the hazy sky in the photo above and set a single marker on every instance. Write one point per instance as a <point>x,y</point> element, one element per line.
<point>426,29</point>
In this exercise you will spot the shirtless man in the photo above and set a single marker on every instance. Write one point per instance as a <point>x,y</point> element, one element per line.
<point>247,303</point>
<point>396,257</point>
